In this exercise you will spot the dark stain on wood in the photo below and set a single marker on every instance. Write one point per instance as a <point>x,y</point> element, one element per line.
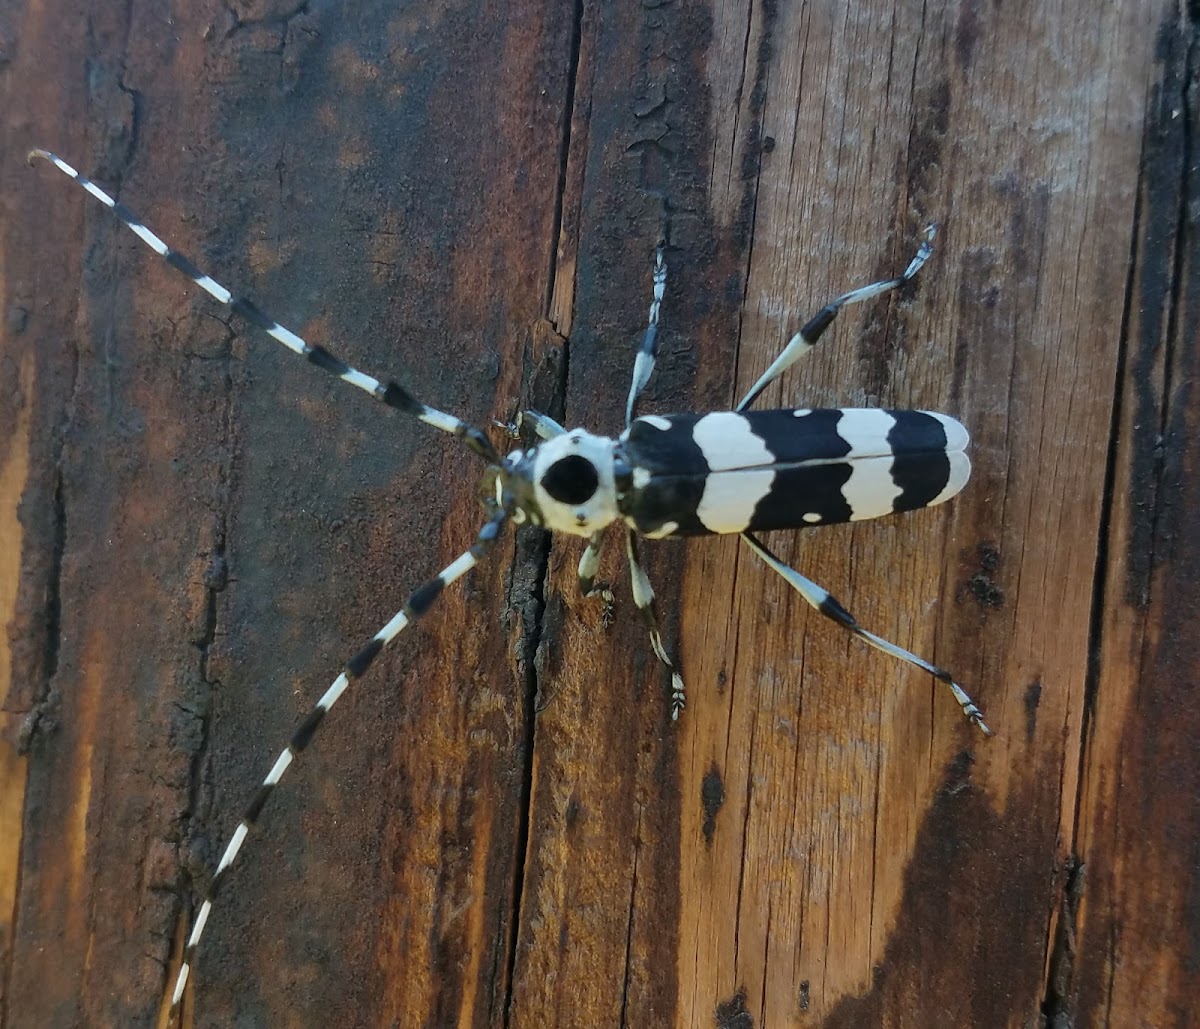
<point>732,1013</point>
<point>712,796</point>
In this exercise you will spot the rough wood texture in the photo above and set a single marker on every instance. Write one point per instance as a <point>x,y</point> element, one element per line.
<point>500,826</point>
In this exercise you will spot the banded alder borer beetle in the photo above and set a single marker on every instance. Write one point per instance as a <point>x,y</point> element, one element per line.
<point>741,471</point>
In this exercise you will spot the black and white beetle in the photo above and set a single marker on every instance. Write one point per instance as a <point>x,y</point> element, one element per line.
<point>737,471</point>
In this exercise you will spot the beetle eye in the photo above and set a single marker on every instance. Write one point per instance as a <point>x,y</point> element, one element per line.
<point>573,480</point>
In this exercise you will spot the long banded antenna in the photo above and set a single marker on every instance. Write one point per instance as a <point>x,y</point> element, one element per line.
<point>421,600</point>
<point>391,393</point>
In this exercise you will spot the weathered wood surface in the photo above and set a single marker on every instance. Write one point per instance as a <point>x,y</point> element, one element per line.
<point>500,826</point>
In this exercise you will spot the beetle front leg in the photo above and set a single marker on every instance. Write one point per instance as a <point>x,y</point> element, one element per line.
<point>643,598</point>
<point>589,563</point>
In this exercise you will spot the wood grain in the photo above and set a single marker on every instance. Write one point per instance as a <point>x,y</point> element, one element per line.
<point>500,826</point>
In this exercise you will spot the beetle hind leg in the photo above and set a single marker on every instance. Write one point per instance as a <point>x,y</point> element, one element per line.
<point>822,600</point>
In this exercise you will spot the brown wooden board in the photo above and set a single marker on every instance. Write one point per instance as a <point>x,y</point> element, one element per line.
<point>499,825</point>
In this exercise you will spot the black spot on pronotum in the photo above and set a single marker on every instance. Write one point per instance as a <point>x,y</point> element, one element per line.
<point>712,796</point>
<point>573,480</point>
